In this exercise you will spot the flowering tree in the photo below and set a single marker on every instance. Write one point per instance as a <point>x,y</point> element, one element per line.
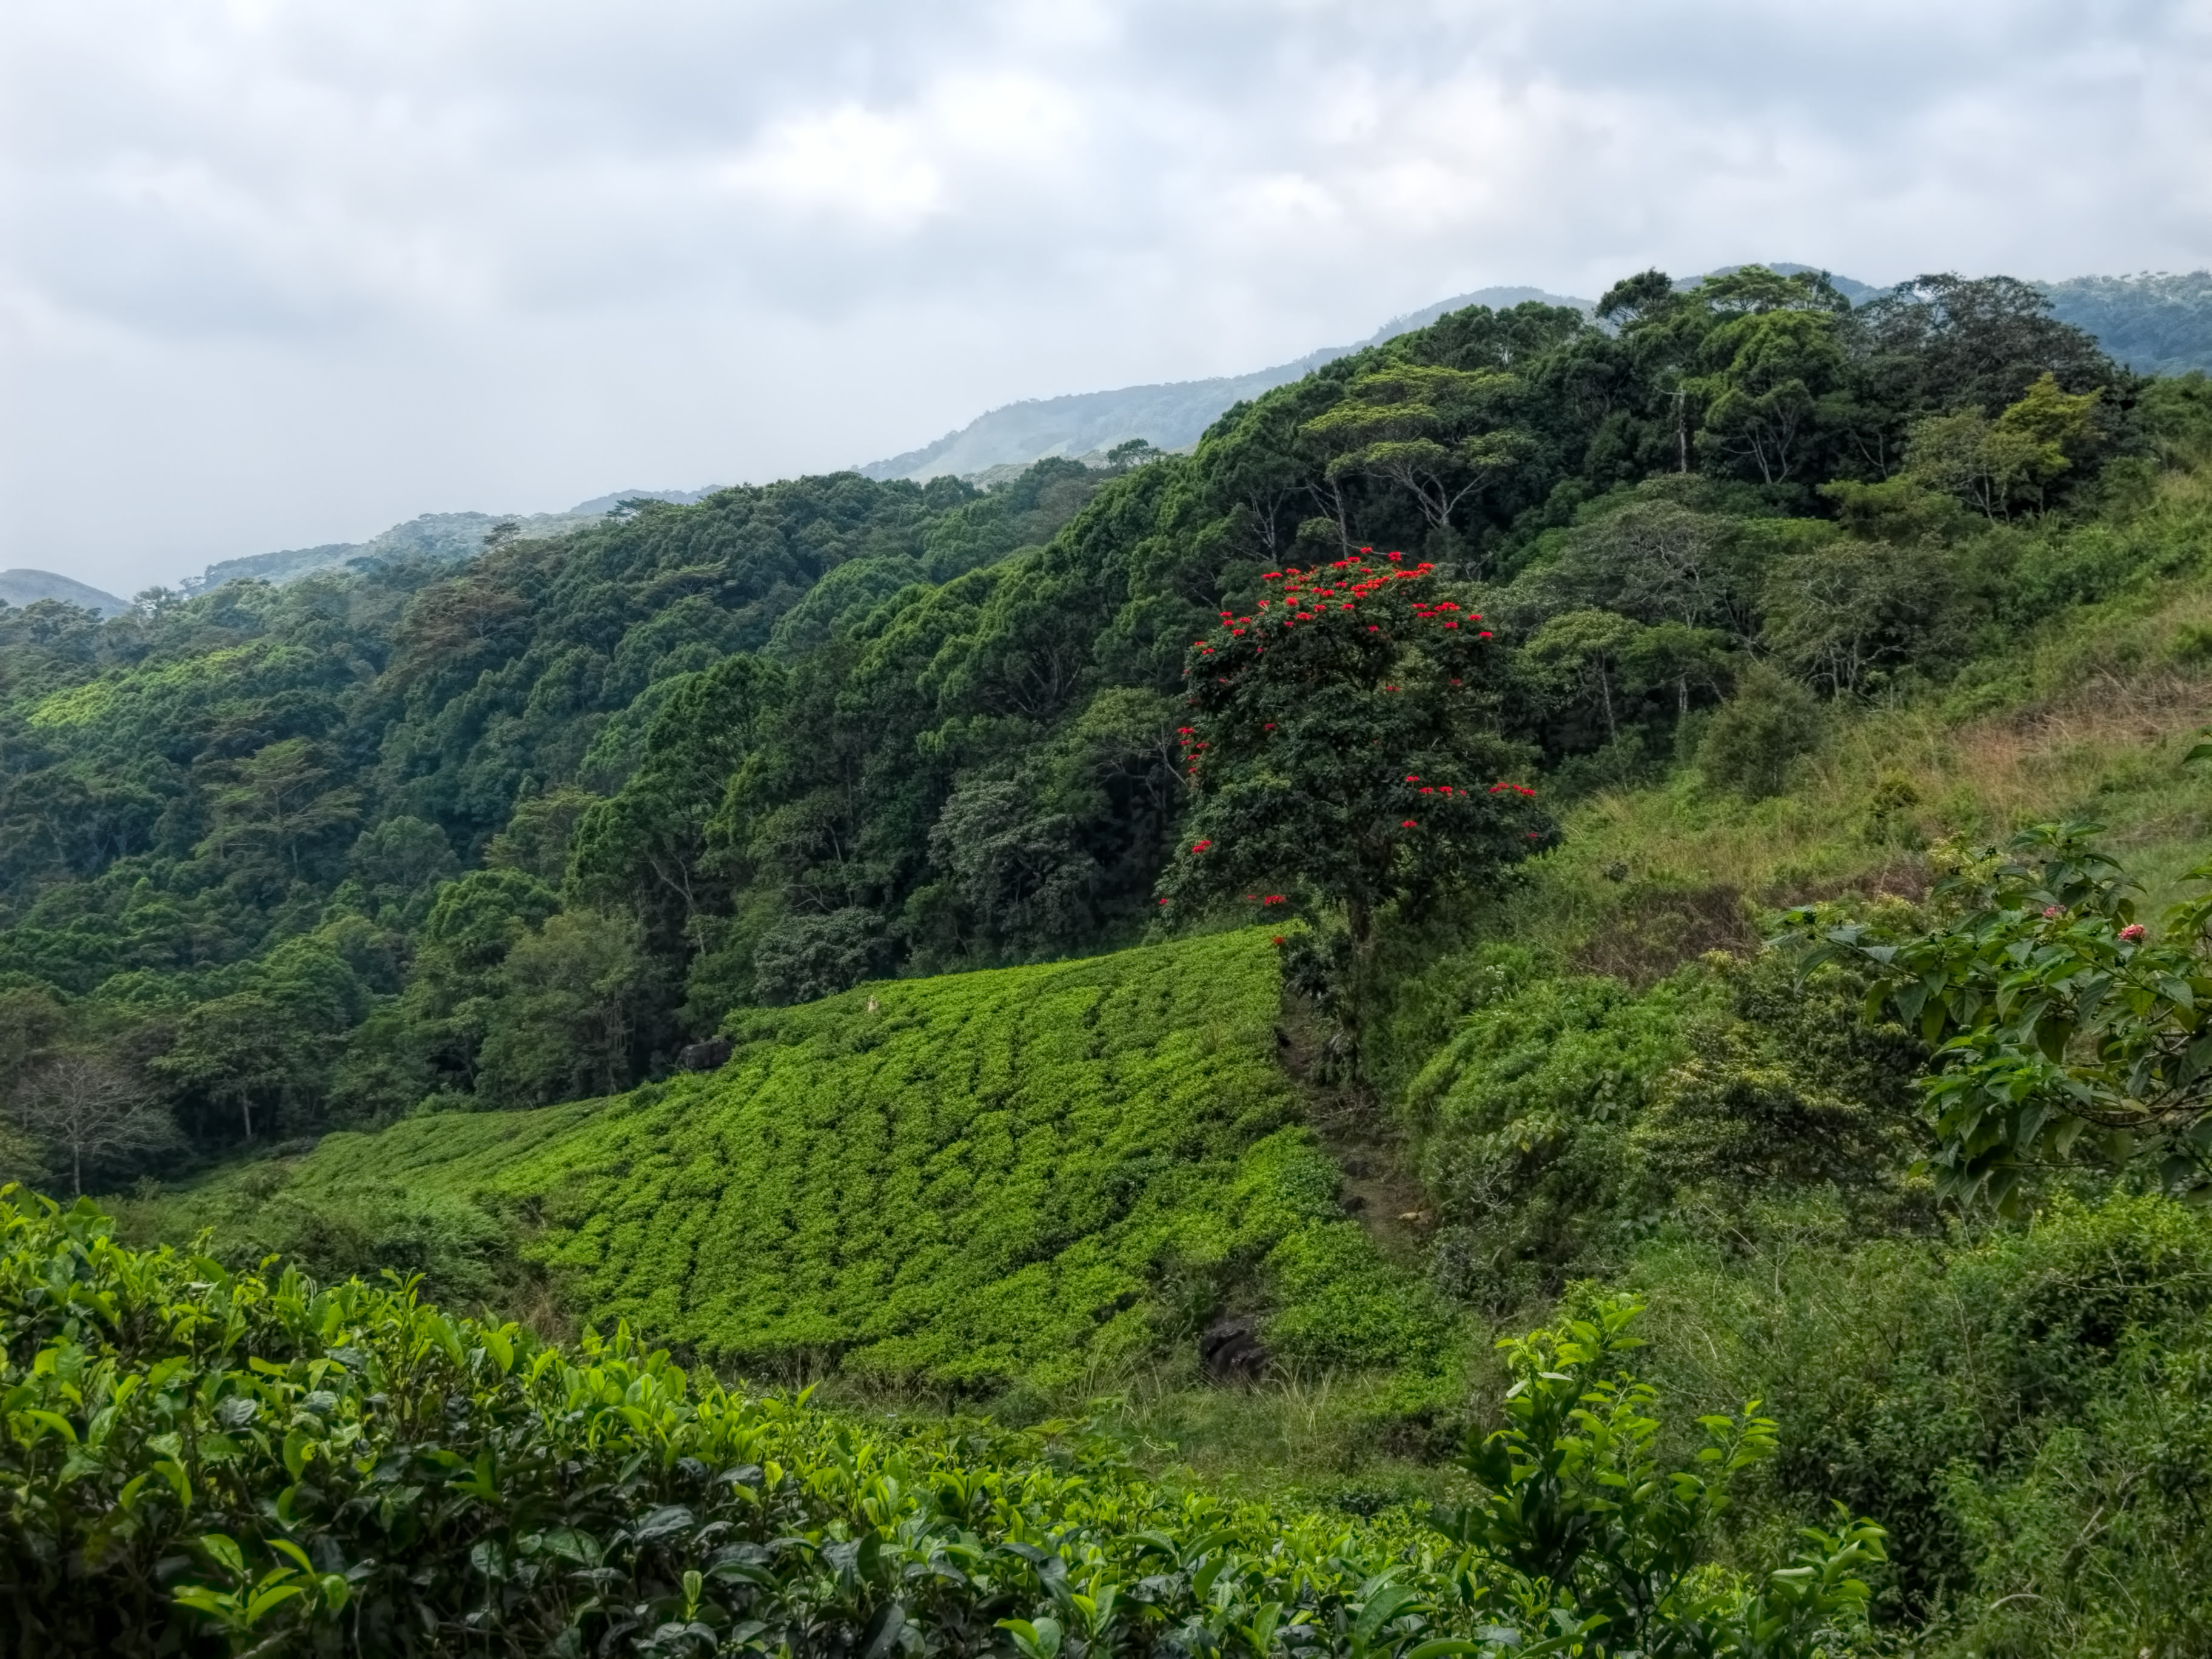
<point>1343,745</point>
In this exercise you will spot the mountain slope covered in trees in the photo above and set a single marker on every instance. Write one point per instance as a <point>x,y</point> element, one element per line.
<point>515,831</point>
<point>1521,677</point>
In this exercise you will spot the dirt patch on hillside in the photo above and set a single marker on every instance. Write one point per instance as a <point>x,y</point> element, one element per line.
<point>1380,1190</point>
<point>1653,931</point>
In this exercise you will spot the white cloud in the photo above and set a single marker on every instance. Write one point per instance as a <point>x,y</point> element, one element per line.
<point>279,272</point>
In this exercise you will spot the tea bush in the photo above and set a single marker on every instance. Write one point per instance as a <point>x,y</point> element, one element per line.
<point>972,1182</point>
<point>197,1462</point>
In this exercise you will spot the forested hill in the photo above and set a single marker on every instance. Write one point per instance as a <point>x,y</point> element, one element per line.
<point>1167,417</point>
<point>513,832</point>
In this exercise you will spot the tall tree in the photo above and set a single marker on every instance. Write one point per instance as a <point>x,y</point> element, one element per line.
<point>1345,749</point>
<point>92,1112</point>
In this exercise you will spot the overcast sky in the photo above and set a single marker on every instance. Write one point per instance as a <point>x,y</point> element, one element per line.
<point>278,272</point>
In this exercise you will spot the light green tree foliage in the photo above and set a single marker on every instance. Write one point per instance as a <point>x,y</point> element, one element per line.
<point>536,839</point>
<point>565,1010</point>
<point>1580,653</point>
<point>1772,385</point>
<point>243,1055</point>
<point>1843,615</point>
<point>1999,466</point>
<point>1442,436</point>
<point>273,807</point>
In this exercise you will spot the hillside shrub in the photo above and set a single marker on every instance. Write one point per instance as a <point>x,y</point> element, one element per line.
<point>2026,1408</point>
<point>1753,738</point>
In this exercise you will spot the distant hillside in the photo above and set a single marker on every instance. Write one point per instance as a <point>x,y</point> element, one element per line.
<point>1169,415</point>
<point>2156,324</point>
<point>432,536</point>
<point>29,587</point>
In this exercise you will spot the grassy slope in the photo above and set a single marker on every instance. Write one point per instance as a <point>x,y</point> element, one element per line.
<point>1023,1175</point>
<point>2085,715</point>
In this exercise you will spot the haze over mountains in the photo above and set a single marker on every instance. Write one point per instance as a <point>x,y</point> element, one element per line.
<point>1167,417</point>
<point>29,587</point>
<point>2153,323</point>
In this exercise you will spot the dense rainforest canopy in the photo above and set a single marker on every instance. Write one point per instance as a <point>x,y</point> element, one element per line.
<point>515,830</point>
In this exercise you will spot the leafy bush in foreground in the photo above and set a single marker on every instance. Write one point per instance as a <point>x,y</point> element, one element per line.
<point>193,1462</point>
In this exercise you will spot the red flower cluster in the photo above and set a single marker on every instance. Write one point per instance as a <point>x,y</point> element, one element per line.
<point>1199,845</point>
<point>1306,593</point>
<point>1517,789</point>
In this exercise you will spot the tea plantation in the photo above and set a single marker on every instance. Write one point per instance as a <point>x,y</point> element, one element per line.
<point>1016,1176</point>
<point>198,1463</point>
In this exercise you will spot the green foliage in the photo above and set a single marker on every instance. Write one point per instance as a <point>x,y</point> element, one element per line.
<point>2024,1409</point>
<point>200,1462</point>
<point>1783,1089</point>
<point>2053,1012</point>
<point>971,1183</point>
<point>1757,735</point>
<point>1575,1497</point>
<point>1343,749</point>
<point>830,728</point>
<point>1995,466</point>
<point>1846,615</point>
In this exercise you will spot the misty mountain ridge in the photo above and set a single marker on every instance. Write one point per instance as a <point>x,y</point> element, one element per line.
<point>431,536</point>
<point>2155,323</point>
<point>22,588</point>
<point>1169,415</point>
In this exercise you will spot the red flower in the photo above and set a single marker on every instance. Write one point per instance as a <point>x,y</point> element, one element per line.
<point>1410,824</point>
<point>2132,932</point>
